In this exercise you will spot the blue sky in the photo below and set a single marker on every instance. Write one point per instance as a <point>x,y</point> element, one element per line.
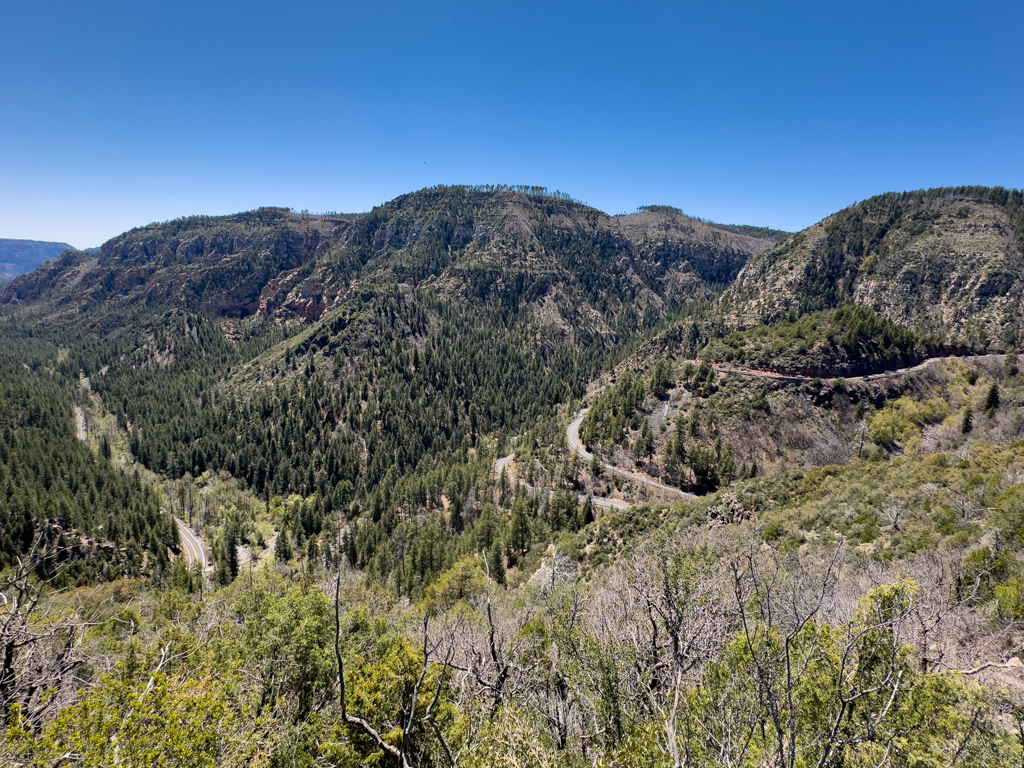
<point>116,114</point>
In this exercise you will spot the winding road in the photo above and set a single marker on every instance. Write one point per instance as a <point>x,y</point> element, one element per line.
<point>753,373</point>
<point>190,542</point>
<point>501,464</point>
<point>192,545</point>
<point>572,436</point>
<point>577,447</point>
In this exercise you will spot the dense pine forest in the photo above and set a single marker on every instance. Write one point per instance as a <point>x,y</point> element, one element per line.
<point>792,532</point>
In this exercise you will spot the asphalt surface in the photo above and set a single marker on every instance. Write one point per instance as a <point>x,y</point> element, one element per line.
<point>577,447</point>
<point>597,501</point>
<point>870,377</point>
<point>572,435</point>
<point>192,544</point>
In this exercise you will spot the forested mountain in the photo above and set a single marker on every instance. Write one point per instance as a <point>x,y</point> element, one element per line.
<point>575,267</point>
<point>55,493</point>
<point>946,261</point>
<point>216,264</point>
<point>433,321</point>
<point>770,547</point>
<point>20,256</point>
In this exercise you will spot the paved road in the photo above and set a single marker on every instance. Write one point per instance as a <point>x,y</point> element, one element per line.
<point>502,463</point>
<point>192,545</point>
<point>80,424</point>
<point>598,501</point>
<point>753,373</point>
<point>572,435</point>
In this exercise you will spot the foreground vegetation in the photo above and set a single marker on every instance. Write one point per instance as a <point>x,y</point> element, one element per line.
<point>843,588</point>
<point>730,644</point>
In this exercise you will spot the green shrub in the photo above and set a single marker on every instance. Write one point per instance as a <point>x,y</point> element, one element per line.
<point>900,422</point>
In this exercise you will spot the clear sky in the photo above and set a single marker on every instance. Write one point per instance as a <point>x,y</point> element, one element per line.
<point>116,114</point>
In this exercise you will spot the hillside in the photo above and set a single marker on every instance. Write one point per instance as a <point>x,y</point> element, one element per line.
<point>370,426</point>
<point>216,264</point>
<point>942,261</point>
<point>704,427</point>
<point>189,330</point>
<point>850,341</point>
<point>575,268</point>
<point>20,256</point>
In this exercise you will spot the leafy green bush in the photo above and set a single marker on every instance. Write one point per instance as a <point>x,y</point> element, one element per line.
<point>900,423</point>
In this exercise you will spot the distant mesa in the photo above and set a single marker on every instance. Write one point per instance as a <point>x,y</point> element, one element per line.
<point>20,256</point>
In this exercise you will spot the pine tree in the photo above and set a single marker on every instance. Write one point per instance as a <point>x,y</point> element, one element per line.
<point>283,547</point>
<point>312,552</point>
<point>588,511</point>
<point>1012,367</point>
<point>727,467</point>
<point>668,458</point>
<point>455,518</point>
<point>495,564</point>
<point>992,400</point>
<point>350,549</point>
<point>967,423</point>
<point>519,533</point>
<point>644,446</point>
<point>231,536</point>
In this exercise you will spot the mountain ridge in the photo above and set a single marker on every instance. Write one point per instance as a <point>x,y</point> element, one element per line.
<point>18,257</point>
<point>605,274</point>
<point>947,260</point>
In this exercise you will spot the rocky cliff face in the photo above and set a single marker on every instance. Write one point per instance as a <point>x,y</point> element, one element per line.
<point>217,264</point>
<point>575,268</point>
<point>945,261</point>
<point>714,253</point>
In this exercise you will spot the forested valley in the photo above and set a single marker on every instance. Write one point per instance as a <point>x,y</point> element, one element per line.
<point>486,477</point>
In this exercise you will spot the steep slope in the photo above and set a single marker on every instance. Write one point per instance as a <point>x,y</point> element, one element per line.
<point>579,270</point>
<point>20,256</point>
<point>394,378</point>
<point>942,261</point>
<point>216,264</point>
<point>55,493</point>
<point>849,341</point>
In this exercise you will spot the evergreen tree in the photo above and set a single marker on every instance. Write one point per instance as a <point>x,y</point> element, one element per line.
<point>283,546</point>
<point>967,423</point>
<point>704,465</point>
<point>727,467</point>
<point>992,400</point>
<point>588,511</point>
<point>519,531</point>
<point>644,447</point>
<point>496,564</point>
<point>313,552</point>
<point>1011,365</point>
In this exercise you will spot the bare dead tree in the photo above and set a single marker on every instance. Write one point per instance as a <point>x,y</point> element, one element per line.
<point>438,654</point>
<point>38,639</point>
